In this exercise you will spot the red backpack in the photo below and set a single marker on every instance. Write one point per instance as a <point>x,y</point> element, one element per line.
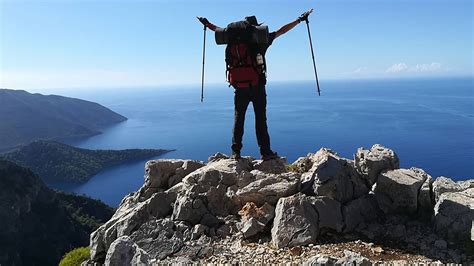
<point>242,69</point>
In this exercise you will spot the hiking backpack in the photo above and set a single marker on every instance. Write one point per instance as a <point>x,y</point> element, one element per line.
<point>245,66</point>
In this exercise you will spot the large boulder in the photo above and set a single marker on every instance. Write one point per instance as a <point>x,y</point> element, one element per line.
<point>124,252</point>
<point>454,214</point>
<point>275,166</point>
<point>444,184</point>
<point>163,174</point>
<point>332,176</point>
<point>397,190</point>
<point>267,188</point>
<point>295,223</point>
<point>359,211</point>
<point>370,163</point>
<point>329,213</point>
<point>204,195</point>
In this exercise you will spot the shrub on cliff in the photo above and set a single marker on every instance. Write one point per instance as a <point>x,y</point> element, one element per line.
<point>75,257</point>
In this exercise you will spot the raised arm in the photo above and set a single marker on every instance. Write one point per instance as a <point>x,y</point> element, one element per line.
<point>208,24</point>
<point>284,29</point>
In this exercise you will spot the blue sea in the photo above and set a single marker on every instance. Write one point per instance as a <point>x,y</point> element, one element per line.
<point>429,123</point>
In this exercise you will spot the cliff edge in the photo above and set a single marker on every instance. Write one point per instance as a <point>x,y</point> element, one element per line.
<point>321,209</point>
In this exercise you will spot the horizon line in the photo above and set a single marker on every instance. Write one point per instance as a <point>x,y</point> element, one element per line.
<point>213,84</point>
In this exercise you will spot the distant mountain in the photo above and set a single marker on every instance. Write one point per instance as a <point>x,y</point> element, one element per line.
<point>25,117</point>
<point>57,162</point>
<point>38,225</point>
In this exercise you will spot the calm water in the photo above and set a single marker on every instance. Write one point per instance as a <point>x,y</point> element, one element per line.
<point>429,123</point>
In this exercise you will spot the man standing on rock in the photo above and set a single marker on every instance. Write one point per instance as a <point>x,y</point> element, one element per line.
<point>253,89</point>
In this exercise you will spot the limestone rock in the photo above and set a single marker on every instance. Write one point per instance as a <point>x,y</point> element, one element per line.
<point>370,163</point>
<point>217,156</point>
<point>184,204</point>
<point>268,189</point>
<point>198,231</point>
<point>454,213</point>
<point>158,238</point>
<point>264,214</point>
<point>252,227</point>
<point>123,252</point>
<point>204,194</point>
<point>255,219</point>
<point>303,164</point>
<point>166,173</point>
<point>397,190</point>
<point>275,166</point>
<point>329,212</point>
<point>353,258</point>
<point>330,176</point>
<point>295,223</point>
<point>313,160</point>
<point>425,196</point>
<point>445,184</point>
<point>127,219</point>
<point>320,259</point>
<point>359,211</point>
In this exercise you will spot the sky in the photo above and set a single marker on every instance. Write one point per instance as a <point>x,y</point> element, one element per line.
<point>128,43</point>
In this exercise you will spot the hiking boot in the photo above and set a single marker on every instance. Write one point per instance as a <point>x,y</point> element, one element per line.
<point>235,155</point>
<point>270,156</point>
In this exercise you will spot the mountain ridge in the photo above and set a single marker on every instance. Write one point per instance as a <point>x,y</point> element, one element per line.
<point>26,117</point>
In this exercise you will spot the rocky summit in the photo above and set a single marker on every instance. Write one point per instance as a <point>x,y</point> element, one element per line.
<point>320,210</point>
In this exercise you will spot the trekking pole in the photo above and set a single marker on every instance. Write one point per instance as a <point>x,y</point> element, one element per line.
<point>203,60</point>
<point>312,54</point>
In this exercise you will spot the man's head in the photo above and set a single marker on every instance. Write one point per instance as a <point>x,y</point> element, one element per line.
<point>252,20</point>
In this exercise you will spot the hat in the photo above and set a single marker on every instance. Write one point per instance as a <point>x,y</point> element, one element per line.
<point>252,20</point>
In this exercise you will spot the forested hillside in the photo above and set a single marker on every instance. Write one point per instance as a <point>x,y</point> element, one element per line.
<point>57,162</point>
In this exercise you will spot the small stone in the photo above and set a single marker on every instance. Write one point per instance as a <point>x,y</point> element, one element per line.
<point>252,227</point>
<point>198,230</point>
<point>296,251</point>
<point>377,249</point>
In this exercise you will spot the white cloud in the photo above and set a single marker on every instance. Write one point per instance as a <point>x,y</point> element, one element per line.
<point>360,70</point>
<point>418,68</point>
<point>433,67</point>
<point>397,68</point>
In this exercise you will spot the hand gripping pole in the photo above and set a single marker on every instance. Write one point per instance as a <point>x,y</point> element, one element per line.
<point>312,54</point>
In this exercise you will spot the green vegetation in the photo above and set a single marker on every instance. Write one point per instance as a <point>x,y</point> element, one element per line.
<point>75,257</point>
<point>28,117</point>
<point>57,162</point>
<point>87,212</point>
<point>292,168</point>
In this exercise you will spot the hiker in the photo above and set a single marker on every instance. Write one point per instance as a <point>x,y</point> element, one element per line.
<point>254,89</point>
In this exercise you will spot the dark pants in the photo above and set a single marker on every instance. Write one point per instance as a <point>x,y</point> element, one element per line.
<point>242,98</point>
